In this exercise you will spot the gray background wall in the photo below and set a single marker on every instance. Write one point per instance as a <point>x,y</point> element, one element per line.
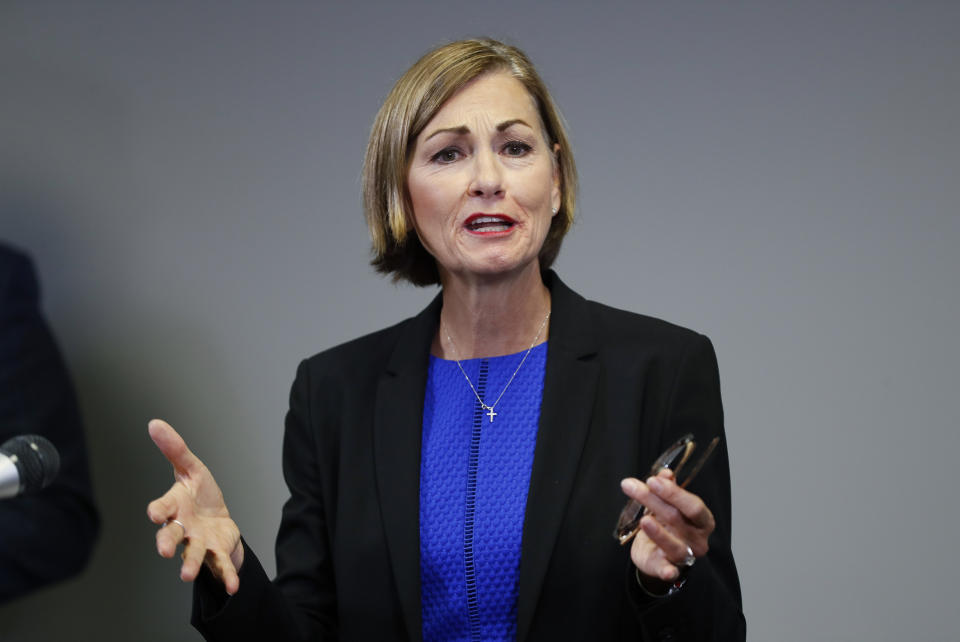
<point>780,176</point>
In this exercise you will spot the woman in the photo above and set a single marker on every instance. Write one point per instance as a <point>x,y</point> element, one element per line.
<point>456,476</point>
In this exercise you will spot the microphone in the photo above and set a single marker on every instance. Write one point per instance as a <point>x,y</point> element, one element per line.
<point>27,464</point>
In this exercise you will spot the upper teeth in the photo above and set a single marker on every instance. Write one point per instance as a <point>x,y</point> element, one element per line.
<point>486,219</point>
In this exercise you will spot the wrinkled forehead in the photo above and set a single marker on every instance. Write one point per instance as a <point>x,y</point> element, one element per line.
<point>485,102</point>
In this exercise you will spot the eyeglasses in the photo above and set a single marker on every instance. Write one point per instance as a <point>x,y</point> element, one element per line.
<point>674,458</point>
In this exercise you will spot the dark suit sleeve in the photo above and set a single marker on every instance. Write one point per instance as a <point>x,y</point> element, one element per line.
<point>300,604</point>
<point>708,607</point>
<point>36,397</point>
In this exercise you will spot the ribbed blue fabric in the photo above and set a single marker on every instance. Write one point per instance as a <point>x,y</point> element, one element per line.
<point>474,477</point>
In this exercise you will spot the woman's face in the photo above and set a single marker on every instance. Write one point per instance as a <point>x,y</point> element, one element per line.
<point>482,180</point>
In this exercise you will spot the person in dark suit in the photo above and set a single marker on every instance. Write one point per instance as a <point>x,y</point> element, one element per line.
<point>458,475</point>
<point>47,536</point>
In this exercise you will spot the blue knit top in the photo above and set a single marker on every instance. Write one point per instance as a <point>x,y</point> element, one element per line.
<point>474,476</point>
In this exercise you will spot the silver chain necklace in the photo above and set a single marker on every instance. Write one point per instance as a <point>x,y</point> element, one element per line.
<point>488,410</point>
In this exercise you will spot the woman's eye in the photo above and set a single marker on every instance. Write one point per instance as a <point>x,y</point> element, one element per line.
<point>446,155</point>
<point>516,148</point>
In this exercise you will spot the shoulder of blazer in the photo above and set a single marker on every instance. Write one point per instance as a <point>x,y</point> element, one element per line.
<point>625,327</point>
<point>372,354</point>
<point>612,329</point>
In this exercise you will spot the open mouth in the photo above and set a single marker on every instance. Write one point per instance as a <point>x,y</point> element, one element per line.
<point>489,223</point>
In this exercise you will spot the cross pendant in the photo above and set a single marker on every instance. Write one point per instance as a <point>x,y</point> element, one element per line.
<point>490,413</point>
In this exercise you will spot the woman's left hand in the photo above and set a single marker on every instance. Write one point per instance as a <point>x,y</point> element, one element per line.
<point>675,519</point>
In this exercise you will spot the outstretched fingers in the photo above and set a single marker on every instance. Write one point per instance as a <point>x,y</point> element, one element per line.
<point>192,514</point>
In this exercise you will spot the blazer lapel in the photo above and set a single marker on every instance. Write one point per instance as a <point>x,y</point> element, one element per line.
<point>569,389</point>
<point>398,417</point>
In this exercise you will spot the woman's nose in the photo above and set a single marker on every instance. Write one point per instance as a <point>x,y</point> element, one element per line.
<point>487,179</point>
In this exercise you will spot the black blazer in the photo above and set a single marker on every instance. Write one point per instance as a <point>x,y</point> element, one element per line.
<point>618,388</point>
<point>36,397</point>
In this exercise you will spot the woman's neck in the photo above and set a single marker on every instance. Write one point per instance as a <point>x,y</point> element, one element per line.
<point>490,317</point>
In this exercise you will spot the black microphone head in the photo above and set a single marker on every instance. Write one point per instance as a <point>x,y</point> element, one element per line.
<point>37,461</point>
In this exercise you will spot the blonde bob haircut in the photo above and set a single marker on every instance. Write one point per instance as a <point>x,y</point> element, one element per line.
<point>411,104</point>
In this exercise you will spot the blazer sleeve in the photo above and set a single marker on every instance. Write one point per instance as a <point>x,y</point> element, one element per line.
<point>37,397</point>
<point>301,603</point>
<point>708,606</point>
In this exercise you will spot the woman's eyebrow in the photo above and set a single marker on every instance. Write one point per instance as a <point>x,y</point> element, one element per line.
<point>463,130</point>
<point>510,123</point>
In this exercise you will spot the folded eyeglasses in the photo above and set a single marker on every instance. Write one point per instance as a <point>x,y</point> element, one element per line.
<point>674,458</point>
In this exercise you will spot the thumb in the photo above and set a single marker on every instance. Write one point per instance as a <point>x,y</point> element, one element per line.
<point>173,447</point>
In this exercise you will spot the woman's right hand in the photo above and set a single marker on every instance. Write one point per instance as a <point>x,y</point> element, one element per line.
<point>208,534</point>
